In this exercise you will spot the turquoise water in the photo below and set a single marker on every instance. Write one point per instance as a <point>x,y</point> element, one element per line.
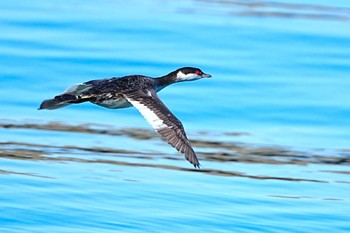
<point>271,128</point>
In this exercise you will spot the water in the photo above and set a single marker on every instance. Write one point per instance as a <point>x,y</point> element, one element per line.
<point>271,128</point>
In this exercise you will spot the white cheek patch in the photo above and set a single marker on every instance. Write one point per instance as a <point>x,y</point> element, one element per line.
<point>148,114</point>
<point>182,77</point>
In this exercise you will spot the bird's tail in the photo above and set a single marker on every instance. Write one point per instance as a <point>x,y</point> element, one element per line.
<point>58,102</point>
<point>72,95</point>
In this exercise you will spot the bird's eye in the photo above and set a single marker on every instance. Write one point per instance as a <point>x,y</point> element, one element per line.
<point>198,72</point>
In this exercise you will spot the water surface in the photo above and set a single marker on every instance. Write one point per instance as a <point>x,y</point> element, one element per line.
<point>271,128</point>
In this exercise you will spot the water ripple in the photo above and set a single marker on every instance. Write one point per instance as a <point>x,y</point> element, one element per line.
<point>210,151</point>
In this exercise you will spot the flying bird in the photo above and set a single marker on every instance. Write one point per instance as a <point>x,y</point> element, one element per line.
<point>141,92</point>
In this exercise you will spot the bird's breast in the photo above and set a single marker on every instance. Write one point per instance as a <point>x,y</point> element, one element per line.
<point>115,103</point>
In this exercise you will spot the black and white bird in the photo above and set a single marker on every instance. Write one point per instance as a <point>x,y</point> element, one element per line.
<point>141,92</point>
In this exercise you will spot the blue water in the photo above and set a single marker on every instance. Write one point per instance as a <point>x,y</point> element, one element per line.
<point>280,81</point>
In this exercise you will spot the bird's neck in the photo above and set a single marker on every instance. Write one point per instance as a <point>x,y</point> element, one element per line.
<point>164,81</point>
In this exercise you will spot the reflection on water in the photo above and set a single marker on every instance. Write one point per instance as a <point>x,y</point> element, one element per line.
<point>274,9</point>
<point>220,152</point>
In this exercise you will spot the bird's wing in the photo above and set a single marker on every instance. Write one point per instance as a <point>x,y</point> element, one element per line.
<point>163,121</point>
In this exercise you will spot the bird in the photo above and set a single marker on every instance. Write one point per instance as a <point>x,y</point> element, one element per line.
<point>139,91</point>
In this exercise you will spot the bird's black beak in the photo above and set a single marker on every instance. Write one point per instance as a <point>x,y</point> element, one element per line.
<point>206,75</point>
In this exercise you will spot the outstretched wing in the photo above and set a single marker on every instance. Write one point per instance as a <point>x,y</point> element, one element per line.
<point>163,121</point>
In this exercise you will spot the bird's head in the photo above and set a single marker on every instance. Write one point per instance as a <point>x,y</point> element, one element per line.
<point>189,74</point>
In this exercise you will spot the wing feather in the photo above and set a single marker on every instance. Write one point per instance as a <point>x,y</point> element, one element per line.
<point>163,121</point>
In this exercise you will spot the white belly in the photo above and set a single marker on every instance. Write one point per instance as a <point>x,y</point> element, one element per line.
<point>120,103</point>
